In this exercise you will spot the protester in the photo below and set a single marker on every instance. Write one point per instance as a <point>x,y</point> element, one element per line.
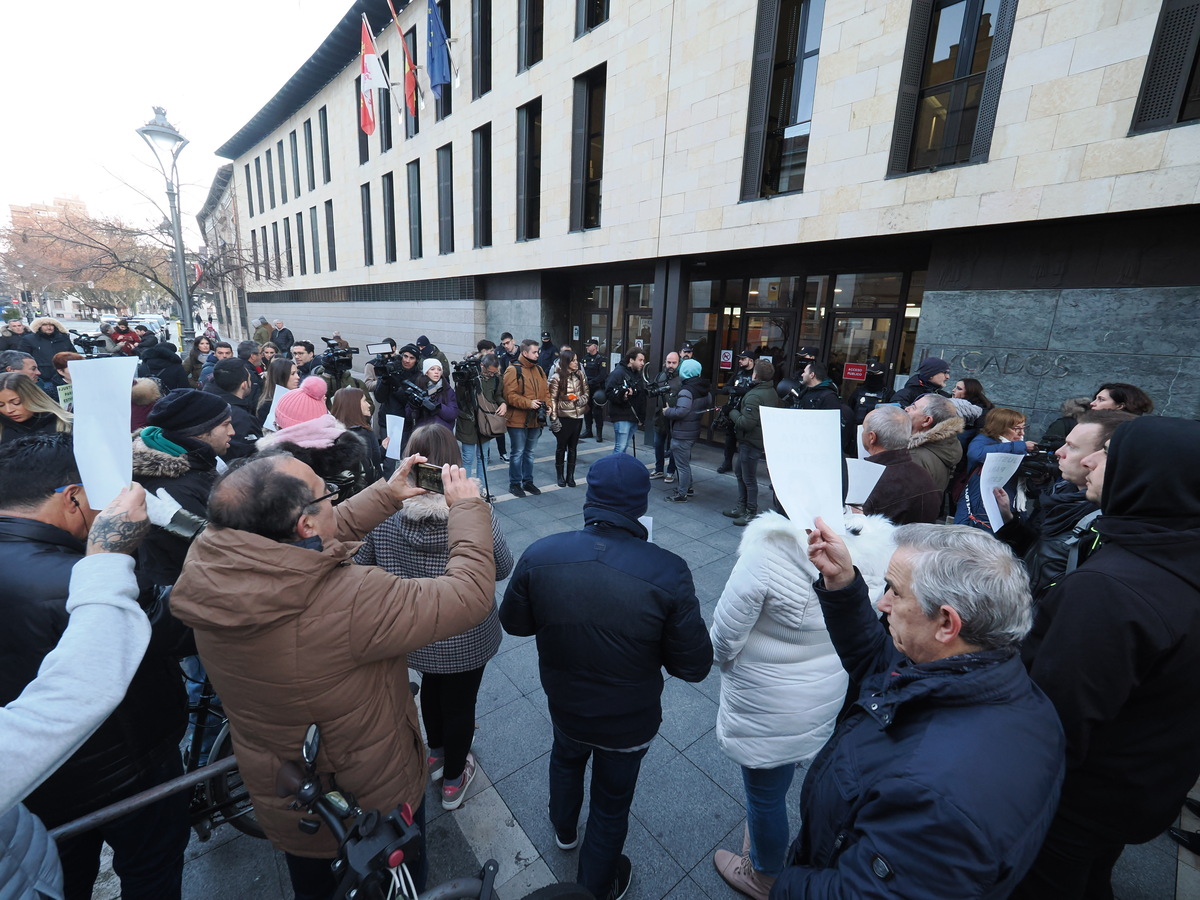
<point>782,683</point>
<point>146,339</point>
<point>568,393</point>
<point>262,330</point>
<point>281,373</point>
<point>282,337</point>
<point>221,350</point>
<point>1003,432</point>
<point>269,352</point>
<point>1116,646</point>
<point>162,362</point>
<point>12,333</point>
<point>45,520</point>
<point>943,775</point>
<point>231,384</point>
<point>934,444</point>
<point>45,337</point>
<point>904,493</point>
<point>291,634</point>
<point>690,402</point>
<point>414,543</point>
<point>142,397</point>
<point>930,378</point>
<point>251,356</point>
<point>125,338</point>
<point>351,409</point>
<point>1117,395</point>
<point>1069,413</point>
<point>427,351</point>
<point>196,358</point>
<point>26,409</point>
<point>610,611</point>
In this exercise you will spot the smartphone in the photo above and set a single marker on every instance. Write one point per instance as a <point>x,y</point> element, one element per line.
<point>379,349</point>
<point>429,477</point>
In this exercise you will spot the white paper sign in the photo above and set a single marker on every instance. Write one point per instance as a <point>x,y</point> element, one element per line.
<point>102,390</point>
<point>862,451</point>
<point>863,476</point>
<point>997,469</point>
<point>395,430</point>
<point>804,455</point>
<point>648,523</point>
<point>269,421</point>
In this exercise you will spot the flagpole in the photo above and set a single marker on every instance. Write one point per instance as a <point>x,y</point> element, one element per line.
<point>407,59</point>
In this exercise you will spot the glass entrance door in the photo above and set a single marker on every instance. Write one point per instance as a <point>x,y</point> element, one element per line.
<point>855,340</point>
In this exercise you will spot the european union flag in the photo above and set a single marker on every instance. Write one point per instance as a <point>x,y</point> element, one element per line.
<point>438,61</point>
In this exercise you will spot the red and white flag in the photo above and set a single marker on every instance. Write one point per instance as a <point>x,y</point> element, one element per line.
<point>372,78</point>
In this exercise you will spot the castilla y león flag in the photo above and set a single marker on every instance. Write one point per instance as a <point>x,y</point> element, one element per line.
<point>372,77</point>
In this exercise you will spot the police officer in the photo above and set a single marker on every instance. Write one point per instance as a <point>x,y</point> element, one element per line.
<point>736,387</point>
<point>595,370</point>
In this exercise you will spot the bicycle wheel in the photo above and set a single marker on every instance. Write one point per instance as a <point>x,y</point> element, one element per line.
<point>229,793</point>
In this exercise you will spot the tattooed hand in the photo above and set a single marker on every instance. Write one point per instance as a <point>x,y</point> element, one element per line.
<point>122,524</point>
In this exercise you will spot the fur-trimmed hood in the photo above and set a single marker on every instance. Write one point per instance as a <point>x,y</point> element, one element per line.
<point>951,427</point>
<point>149,463</point>
<point>425,508</point>
<point>36,325</point>
<point>146,392</point>
<point>323,443</point>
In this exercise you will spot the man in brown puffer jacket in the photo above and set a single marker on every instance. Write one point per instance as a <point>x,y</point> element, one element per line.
<point>292,634</point>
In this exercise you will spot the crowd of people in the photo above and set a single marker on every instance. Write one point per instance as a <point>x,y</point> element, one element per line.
<point>987,709</point>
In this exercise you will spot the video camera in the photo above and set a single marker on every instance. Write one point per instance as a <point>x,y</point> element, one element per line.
<point>415,397</point>
<point>1041,466</point>
<point>337,360</point>
<point>88,343</point>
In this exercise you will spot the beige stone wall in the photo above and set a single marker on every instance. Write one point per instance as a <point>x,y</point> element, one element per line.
<point>678,85</point>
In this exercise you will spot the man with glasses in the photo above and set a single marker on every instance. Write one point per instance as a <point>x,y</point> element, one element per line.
<point>526,392</point>
<point>292,633</point>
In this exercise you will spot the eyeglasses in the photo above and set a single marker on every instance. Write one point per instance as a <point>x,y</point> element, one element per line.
<point>333,489</point>
<point>59,490</point>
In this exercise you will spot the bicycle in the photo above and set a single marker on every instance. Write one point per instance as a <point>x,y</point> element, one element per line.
<point>375,850</point>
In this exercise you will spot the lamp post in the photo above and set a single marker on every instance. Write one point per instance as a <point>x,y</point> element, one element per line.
<point>167,143</point>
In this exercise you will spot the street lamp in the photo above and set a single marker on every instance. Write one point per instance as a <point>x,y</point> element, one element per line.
<point>167,143</point>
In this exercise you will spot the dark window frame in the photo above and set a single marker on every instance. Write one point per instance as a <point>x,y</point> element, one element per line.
<point>287,245</point>
<point>295,146</point>
<point>266,253</point>
<point>309,158</point>
<point>384,113</point>
<point>481,184</point>
<point>531,33</point>
<point>529,170</point>
<point>249,191</point>
<point>412,121</point>
<point>283,192</point>
<point>481,48</point>
<point>315,237</point>
<point>323,128</point>
<point>590,15</point>
<point>258,184</point>
<point>587,148</point>
<point>413,178</point>
<point>445,192</point>
<point>270,177</point>
<point>300,243</point>
<point>254,253</point>
<point>330,240</point>
<point>444,105</point>
<point>275,248</point>
<point>388,190</point>
<point>368,228</point>
<point>1170,91</point>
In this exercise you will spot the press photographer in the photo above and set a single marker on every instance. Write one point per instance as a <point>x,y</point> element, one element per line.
<point>626,391</point>
<point>481,412</point>
<point>334,366</point>
<point>396,377</point>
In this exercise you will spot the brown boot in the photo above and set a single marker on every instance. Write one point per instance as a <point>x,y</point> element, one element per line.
<point>740,875</point>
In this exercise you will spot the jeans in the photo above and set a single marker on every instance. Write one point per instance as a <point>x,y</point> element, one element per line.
<point>621,433</point>
<point>681,461</point>
<point>474,459</point>
<point>745,469</point>
<point>767,817</point>
<point>614,778</point>
<point>147,844</point>
<point>663,452</point>
<point>1074,864</point>
<point>520,460</point>
<point>448,711</point>
<point>312,879</point>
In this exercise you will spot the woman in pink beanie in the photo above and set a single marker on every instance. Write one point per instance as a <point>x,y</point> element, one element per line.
<point>303,404</point>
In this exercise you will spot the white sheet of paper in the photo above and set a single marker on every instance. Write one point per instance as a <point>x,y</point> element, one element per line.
<point>102,390</point>
<point>648,522</point>
<point>862,451</point>
<point>804,456</point>
<point>863,478</point>
<point>395,430</point>
<point>997,469</point>
<point>269,422</point>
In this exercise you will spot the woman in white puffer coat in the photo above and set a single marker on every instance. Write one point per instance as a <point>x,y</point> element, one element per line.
<point>782,683</point>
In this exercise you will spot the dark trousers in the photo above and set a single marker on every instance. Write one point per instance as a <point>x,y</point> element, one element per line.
<point>448,711</point>
<point>147,844</point>
<point>501,446</point>
<point>312,879</point>
<point>614,779</point>
<point>1074,864</point>
<point>594,414</point>
<point>567,440</point>
<point>746,471</point>
<point>731,446</point>
<point>664,459</point>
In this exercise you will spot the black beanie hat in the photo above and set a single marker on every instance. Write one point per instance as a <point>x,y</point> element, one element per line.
<point>620,483</point>
<point>186,413</point>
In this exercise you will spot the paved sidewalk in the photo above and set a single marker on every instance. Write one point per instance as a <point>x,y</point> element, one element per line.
<point>689,800</point>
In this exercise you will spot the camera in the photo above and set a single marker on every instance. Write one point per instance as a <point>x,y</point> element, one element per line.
<point>1040,466</point>
<point>415,397</point>
<point>466,370</point>
<point>337,360</point>
<point>89,342</point>
<point>657,388</point>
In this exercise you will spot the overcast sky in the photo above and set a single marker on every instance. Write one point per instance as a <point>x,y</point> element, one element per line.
<point>80,77</point>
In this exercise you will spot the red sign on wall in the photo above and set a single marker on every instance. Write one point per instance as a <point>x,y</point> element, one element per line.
<point>854,372</point>
<point>727,360</point>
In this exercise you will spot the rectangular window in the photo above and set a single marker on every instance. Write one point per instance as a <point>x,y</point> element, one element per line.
<point>254,252</point>
<point>266,254</point>
<point>783,82</point>
<point>316,242</point>
<point>589,14</point>
<point>481,48</point>
<point>412,121</point>
<point>308,155</point>
<point>445,185</point>
<point>258,183</point>
<point>364,194</point>
<point>444,105</point>
<point>330,245</point>
<point>1170,92</point>
<point>481,145</point>
<point>385,109</point>
<point>270,179</point>
<point>249,191</point>
<point>364,139</point>
<point>389,217</point>
<point>295,163</point>
<point>529,170</point>
<point>300,246</point>
<point>950,83</point>
<point>587,149</point>
<point>287,244</point>
<point>323,125</point>
<point>275,249</point>
<point>283,194</point>
<point>414,209</point>
<point>530,15</point>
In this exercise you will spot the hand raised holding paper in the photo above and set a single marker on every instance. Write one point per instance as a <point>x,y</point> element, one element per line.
<point>829,553</point>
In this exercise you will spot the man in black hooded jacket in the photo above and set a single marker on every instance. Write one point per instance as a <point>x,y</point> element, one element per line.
<point>1116,646</point>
